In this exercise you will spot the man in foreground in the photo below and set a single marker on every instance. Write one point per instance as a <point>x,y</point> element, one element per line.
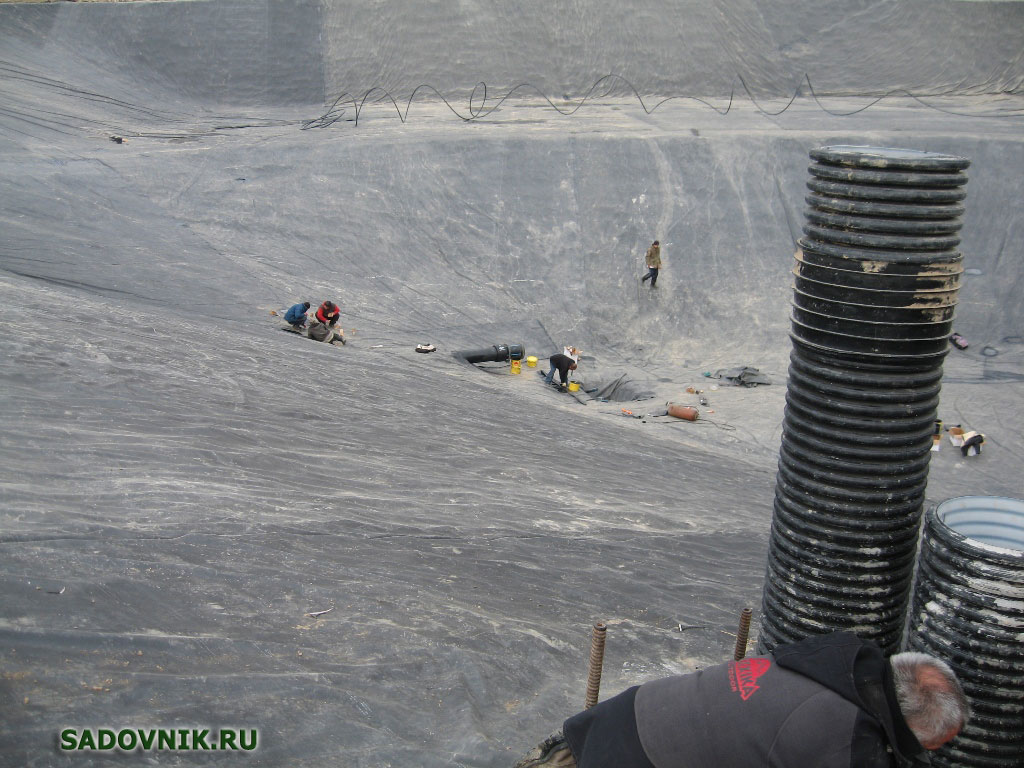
<point>828,701</point>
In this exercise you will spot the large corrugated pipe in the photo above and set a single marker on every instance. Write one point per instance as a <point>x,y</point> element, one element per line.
<point>968,609</point>
<point>875,284</point>
<point>498,353</point>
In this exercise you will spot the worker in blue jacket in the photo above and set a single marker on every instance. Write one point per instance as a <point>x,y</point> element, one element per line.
<point>296,315</point>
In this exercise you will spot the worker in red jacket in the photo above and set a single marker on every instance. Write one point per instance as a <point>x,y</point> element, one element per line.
<point>328,313</point>
<point>322,328</point>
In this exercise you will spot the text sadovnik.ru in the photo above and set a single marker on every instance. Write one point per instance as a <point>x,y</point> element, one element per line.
<point>148,739</point>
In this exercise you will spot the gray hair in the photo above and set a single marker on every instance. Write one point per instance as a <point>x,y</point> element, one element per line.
<point>929,695</point>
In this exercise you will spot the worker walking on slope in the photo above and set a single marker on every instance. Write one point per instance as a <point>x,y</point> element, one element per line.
<point>828,701</point>
<point>653,261</point>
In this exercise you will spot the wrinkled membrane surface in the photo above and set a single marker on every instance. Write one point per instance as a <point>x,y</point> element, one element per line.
<point>183,484</point>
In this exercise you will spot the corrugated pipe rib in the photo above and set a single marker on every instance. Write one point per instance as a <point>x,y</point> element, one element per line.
<point>968,609</point>
<point>875,285</point>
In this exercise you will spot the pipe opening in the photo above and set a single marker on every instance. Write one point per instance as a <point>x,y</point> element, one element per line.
<point>987,520</point>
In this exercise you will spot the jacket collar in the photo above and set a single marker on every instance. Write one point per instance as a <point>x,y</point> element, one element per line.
<point>858,671</point>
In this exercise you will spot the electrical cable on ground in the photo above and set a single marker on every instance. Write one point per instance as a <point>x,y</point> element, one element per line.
<point>702,420</point>
<point>478,97</point>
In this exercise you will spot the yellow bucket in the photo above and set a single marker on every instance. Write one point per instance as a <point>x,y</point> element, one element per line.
<point>574,386</point>
<point>515,367</point>
<point>531,361</point>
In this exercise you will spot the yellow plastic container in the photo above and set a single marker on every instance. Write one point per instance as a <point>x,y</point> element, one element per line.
<point>574,386</point>
<point>531,361</point>
<point>514,368</point>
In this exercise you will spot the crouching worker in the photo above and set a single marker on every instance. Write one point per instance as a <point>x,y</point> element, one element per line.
<point>323,332</point>
<point>296,315</point>
<point>828,701</point>
<point>561,363</point>
<point>328,313</point>
<point>321,328</point>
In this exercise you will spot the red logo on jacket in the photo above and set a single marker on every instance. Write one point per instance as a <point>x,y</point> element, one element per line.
<point>743,675</point>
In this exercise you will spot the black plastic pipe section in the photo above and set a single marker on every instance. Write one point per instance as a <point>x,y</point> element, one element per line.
<point>499,353</point>
<point>875,284</point>
<point>968,609</point>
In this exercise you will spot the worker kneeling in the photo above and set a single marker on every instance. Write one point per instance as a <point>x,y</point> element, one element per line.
<point>323,332</point>
<point>828,701</point>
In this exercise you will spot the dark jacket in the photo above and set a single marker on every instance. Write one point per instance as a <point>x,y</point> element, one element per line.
<point>320,332</point>
<point>296,314</point>
<point>858,671</point>
<point>824,702</point>
<point>561,364</point>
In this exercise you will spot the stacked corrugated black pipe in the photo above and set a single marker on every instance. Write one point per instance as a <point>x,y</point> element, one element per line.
<point>876,280</point>
<point>968,609</point>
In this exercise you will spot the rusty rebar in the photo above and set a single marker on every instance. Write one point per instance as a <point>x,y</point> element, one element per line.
<point>741,635</point>
<point>596,664</point>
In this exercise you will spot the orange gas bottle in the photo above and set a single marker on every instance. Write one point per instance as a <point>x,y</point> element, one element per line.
<point>687,412</point>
